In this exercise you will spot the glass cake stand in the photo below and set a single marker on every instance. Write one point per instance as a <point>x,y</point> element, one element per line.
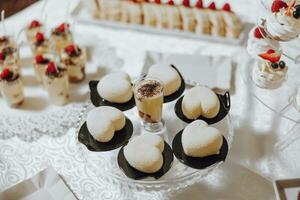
<point>105,166</point>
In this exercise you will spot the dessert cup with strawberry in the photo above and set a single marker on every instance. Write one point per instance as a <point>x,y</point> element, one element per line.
<point>73,59</point>
<point>188,19</point>
<point>110,10</point>
<point>57,84</point>
<point>232,22</point>
<point>32,29</point>
<point>161,15</point>
<point>40,44</point>
<point>203,25</point>
<point>61,36</point>
<point>134,11</point>
<point>40,64</point>
<point>218,26</point>
<point>173,16</point>
<point>11,87</point>
<point>148,9</point>
<point>9,58</point>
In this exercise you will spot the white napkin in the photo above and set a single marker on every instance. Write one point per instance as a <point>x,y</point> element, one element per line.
<point>46,185</point>
<point>211,71</point>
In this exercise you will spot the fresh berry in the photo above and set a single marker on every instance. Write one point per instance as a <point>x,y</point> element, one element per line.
<point>258,32</point>
<point>171,2</point>
<point>270,51</point>
<point>6,74</point>
<point>274,65</point>
<point>39,37</point>
<point>51,68</point>
<point>199,4</point>
<point>34,24</point>
<point>296,12</point>
<point>186,3</point>
<point>212,6</point>
<point>70,49</point>
<point>39,58</point>
<point>271,56</point>
<point>282,64</point>
<point>226,7</point>
<point>2,56</point>
<point>277,5</point>
<point>62,27</point>
<point>157,1</point>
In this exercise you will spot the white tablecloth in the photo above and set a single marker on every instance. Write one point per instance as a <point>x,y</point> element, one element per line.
<point>261,146</point>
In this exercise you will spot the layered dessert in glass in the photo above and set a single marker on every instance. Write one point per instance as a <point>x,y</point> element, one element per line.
<point>61,36</point>
<point>40,64</point>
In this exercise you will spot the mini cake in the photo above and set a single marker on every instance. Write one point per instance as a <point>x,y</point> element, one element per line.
<point>115,88</point>
<point>203,25</point>
<point>9,58</point>
<point>135,14</point>
<point>149,13</point>
<point>218,26</point>
<point>169,77</point>
<point>173,15</point>
<point>233,24</point>
<point>73,59</point>
<point>11,87</point>
<point>40,64</point>
<point>110,10</point>
<point>284,22</point>
<point>57,84</point>
<point>187,15</point>
<point>32,29</point>
<point>111,119</point>
<point>200,101</point>
<point>201,140</point>
<point>144,153</point>
<point>61,36</point>
<point>40,44</point>
<point>160,14</point>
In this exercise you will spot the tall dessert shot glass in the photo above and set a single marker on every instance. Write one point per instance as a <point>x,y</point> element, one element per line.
<point>149,97</point>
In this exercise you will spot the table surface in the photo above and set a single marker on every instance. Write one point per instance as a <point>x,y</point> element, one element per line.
<point>262,149</point>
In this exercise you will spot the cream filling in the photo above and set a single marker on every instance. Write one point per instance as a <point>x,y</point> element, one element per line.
<point>188,20</point>
<point>202,21</point>
<point>12,91</point>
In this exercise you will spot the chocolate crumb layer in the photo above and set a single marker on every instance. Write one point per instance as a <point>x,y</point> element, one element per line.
<point>149,89</point>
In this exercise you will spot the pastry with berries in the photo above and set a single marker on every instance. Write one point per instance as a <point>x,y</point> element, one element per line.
<point>10,58</point>
<point>149,13</point>
<point>284,22</point>
<point>61,36</point>
<point>11,87</point>
<point>187,15</point>
<point>271,71</point>
<point>32,28</point>
<point>233,23</point>
<point>40,44</point>
<point>40,64</point>
<point>73,59</point>
<point>57,84</point>
<point>203,26</point>
<point>218,26</point>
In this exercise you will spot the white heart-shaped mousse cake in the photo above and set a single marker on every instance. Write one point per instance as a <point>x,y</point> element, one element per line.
<point>200,140</point>
<point>200,101</point>
<point>144,153</point>
<point>115,87</point>
<point>102,122</point>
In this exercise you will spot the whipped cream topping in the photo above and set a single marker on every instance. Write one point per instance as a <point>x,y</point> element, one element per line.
<point>271,74</point>
<point>282,27</point>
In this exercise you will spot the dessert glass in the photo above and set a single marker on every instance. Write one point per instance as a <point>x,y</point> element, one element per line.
<point>149,97</point>
<point>12,91</point>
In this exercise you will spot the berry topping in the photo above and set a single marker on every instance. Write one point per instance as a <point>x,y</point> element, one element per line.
<point>171,2</point>
<point>6,74</point>
<point>226,7</point>
<point>51,68</point>
<point>199,4</point>
<point>34,24</point>
<point>296,12</point>
<point>277,5</point>
<point>274,65</point>
<point>271,56</point>
<point>157,1</point>
<point>72,50</point>
<point>258,32</point>
<point>270,51</point>
<point>212,6</point>
<point>282,64</point>
<point>62,27</point>
<point>39,37</point>
<point>2,56</point>
<point>186,3</point>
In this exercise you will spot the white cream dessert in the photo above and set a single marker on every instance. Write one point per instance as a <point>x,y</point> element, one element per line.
<point>40,64</point>
<point>124,11</point>
<point>232,21</point>
<point>187,15</point>
<point>218,26</point>
<point>200,101</point>
<point>111,119</point>
<point>160,14</point>
<point>10,58</point>
<point>203,25</point>
<point>258,43</point>
<point>284,22</point>
<point>173,16</point>
<point>57,84</point>
<point>110,10</point>
<point>144,153</point>
<point>201,140</point>
<point>11,87</point>
<point>135,14</point>
<point>40,44</point>
<point>268,74</point>
<point>149,13</point>
<point>32,29</point>
<point>61,36</point>
<point>73,59</point>
<point>149,99</point>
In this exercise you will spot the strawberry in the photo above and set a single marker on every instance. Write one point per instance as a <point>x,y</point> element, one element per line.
<point>34,24</point>
<point>39,58</point>
<point>157,1</point>
<point>226,7</point>
<point>51,68</point>
<point>171,2</point>
<point>6,74</point>
<point>277,5</point>
<point>199,4</point>
<point>2,56</point>
<point>186,3</point>
<point>212,6</point>
<point>39,37</point>
<point>70,49</point>
<point>258,32</point>
<point>271,56</point>
<point>62,27</point>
